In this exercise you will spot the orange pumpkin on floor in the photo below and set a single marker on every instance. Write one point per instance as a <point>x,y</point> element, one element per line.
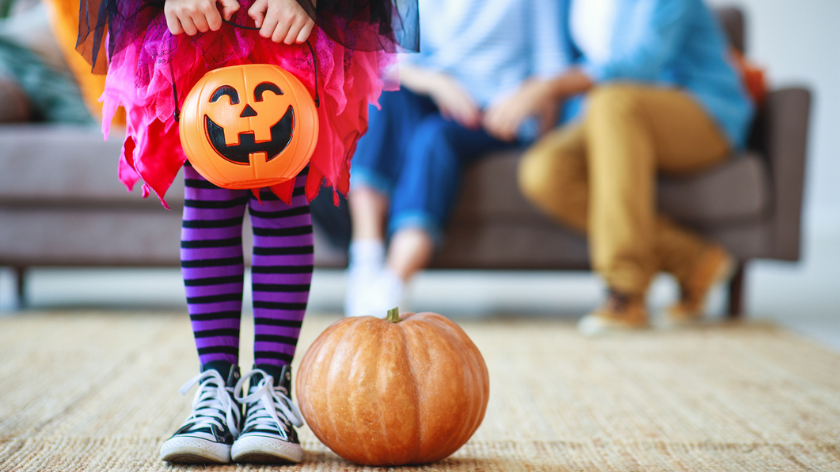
<point>249,126</point>
<point>393,391</point>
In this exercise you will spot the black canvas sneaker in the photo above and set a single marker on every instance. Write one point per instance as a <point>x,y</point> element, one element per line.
<point>268,434</point>
<point>208,433</point>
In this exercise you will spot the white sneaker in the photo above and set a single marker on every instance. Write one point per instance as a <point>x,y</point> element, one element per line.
<point>367,260</point>
<point>208,433</point>
<point>374,295</point>
<point>392,292</point>
<point>270,417</point>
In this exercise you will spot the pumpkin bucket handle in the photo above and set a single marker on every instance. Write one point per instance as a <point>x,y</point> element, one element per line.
<point>177,113</point>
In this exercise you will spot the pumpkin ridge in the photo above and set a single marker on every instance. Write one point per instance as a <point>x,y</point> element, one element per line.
<point>375,325</point>
<point>377,360</point>
<point>459,342</point>
<point>421,425</point>
<point>478,369</point>
<point>443,340</point>
<point>481,376</point>
<point>402,365</point>
<point>456,341</point>
<point>334,374</point>
<point>312,364</point>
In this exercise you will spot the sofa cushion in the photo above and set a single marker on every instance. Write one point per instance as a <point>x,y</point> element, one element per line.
<point>62,164</point>
<point>60,236</point>
<point>736,190</point>
<point>79,236</point>
<point>511,246</point>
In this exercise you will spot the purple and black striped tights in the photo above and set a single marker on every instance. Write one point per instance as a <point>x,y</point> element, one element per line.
<point>213,269</point>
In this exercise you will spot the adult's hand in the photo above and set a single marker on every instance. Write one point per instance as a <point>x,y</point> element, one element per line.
<point>197,16</point>
<point>534,98</point>
<point>454,102</point>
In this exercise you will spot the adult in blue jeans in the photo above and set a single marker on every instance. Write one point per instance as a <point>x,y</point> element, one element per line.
<point>408,167</point>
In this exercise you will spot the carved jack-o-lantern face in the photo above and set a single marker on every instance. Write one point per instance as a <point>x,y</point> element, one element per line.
<point>249,126</point>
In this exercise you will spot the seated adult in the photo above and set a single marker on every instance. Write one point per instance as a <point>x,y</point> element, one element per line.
<point>662,97</point>
<point>407,168</point>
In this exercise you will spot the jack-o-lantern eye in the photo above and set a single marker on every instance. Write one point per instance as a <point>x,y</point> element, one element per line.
<point>226,90</point>
<point>266,87</point>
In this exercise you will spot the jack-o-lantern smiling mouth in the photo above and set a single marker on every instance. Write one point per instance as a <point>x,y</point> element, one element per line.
<point>281,135</point>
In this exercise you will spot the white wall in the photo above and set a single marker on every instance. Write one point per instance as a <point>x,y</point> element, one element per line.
<point>798,41</point>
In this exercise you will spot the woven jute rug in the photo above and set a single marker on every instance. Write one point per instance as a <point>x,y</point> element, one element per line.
<point>99,392</point>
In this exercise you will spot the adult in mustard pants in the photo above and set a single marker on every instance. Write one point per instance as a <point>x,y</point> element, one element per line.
<point>599,177</point>
<point>667,102</point>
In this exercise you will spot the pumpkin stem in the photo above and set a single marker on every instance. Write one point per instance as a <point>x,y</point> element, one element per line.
<point>393,315</point>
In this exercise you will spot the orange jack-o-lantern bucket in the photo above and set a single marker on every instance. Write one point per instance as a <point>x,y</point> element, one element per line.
<point>249,126</point>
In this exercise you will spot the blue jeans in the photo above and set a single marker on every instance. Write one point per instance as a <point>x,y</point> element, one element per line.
<point>416,157</point>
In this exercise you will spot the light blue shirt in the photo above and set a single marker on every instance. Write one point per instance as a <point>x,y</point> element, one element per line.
<point>676,43</point>
<point>491,46</point>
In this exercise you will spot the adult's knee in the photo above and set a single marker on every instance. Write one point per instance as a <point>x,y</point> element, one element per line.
<point>616,100</point>
<point>533,173</point>
<point>546,176</point>
<point>434,143</point>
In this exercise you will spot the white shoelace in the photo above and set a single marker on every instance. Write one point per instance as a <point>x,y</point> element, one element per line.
<point>268,399</point>
<point>212,400</point>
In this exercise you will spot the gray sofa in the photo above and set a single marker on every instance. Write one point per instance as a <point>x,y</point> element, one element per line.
<point>61,203</point>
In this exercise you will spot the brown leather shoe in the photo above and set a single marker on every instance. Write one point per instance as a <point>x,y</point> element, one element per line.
<point>715,266</point>
<point>620,312</point>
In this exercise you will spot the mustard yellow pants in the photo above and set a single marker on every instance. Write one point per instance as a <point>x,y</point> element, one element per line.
<point>599,178</point>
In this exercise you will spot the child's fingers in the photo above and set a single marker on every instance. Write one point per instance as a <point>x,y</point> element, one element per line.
<point>214,19</point>
<point>305,32</point>
<point>188,25</point>
<point>294,31</point>
<point>229,7</point>
<point>281,30</point>
<point>200,22</point>
<point>257,13</point>
<point>268,26</point>
<point>172,22</point>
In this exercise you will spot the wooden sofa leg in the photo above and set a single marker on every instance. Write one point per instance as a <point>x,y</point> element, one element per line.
<point>20,285</point>
<point>736,293</point>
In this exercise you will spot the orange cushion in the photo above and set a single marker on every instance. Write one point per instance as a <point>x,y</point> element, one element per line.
<point>753,77</point>
<point>64,18</point>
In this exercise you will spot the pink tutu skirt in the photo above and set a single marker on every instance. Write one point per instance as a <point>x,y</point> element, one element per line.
<point>146,61</point>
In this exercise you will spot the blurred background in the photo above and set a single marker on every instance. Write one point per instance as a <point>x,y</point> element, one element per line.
<point>796,43</point>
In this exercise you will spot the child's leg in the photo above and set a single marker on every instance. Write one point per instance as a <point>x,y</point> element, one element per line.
<point>281,273</point>
<point>212,265</point>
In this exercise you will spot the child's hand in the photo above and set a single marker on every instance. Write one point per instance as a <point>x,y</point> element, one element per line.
<point>281,20</point>
<point>193,16</point>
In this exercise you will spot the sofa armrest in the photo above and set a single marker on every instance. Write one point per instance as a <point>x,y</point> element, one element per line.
<point>781,134</point>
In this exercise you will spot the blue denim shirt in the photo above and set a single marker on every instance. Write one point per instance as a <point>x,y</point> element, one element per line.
<point>676,43</point>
